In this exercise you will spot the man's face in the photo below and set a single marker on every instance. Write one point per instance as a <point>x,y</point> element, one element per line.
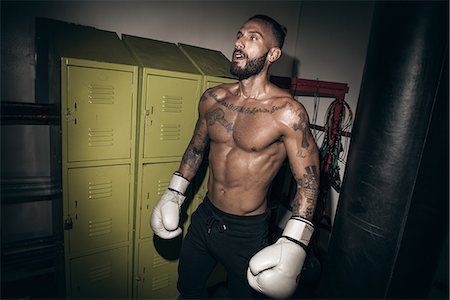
<point>251,67</point>
<point>252,46</point>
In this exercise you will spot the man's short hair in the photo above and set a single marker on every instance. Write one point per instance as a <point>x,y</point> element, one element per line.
<point>279,31</point>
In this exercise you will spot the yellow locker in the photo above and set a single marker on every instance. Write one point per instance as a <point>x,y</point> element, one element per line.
<point>155,180</point>
<point>157,276</point>
<point>97,91</point>
<point>169,109</point>
<point>156,268</point>
<point>99,203</point>
<point>102,275</point>
<point>98,113</point>
<point>98,105</point>
<point>169,89</point>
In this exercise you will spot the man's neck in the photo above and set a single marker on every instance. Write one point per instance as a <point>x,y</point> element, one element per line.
<point>254,87</point>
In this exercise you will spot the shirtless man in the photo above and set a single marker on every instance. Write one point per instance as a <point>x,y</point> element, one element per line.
<point>250,127</point>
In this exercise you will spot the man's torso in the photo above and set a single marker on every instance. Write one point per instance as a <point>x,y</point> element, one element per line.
<point>246,148</point>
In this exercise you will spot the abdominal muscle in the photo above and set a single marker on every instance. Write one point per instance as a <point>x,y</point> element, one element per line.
<point>239,179</point>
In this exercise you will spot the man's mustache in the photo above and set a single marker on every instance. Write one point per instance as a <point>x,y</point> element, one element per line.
<point>238,51</point>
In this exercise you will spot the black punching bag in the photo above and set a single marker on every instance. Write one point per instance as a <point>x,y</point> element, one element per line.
<point>392,215</point>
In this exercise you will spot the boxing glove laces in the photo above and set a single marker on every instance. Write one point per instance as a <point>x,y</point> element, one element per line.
<point>275,270</point>
<point>165,217</point>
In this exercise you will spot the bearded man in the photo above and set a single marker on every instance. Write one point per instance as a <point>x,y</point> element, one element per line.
<point>250,128</point>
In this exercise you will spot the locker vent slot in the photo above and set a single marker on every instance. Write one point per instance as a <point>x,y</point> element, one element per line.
<point>172,104</point>
<point>158,261</point>
<point>100,137</point>
<point>101,189</point>
<point>162,186</point>
<point>97,228</point>
<point>159,282</point>
<point>101,272</point>
<point>170,132</point>
<point>101,94</point>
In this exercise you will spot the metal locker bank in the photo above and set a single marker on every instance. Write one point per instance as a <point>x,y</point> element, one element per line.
<point>169,90</point>
<point>93,79</point>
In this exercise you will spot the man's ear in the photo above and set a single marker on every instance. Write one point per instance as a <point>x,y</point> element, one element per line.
<point>274,54</point>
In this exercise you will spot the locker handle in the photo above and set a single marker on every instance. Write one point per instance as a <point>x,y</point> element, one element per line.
<point>68,223</point>
<point>147,117</point>
<point>70,115</point>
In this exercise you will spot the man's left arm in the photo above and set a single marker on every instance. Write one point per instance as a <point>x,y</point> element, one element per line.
<point>275,270</point>
<point>304,162</point>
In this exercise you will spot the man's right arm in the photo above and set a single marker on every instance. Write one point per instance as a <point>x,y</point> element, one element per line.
<point>198,145</point>
<point>166,214</point>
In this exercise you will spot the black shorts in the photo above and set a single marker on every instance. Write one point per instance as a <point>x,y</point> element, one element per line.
<point>215,236</point>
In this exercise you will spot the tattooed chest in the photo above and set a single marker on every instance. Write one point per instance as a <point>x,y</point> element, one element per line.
<point>249,132</point>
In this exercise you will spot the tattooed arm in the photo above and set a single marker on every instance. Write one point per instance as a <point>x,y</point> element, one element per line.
<point>197,147</point>
<point>283,261</point>
<point>304,160</point>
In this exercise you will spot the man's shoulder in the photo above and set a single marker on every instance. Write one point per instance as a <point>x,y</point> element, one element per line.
<point>285,99</point>
<point>280,94</point>
<point>216,94</point>
<point>224,88</point>
<point>286,108</point>
<point>220,91</point>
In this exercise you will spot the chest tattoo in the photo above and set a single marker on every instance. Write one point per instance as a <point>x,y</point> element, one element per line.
<point>244,109</point>
<point>218,115</point>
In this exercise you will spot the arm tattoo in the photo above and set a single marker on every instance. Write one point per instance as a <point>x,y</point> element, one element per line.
<point>219,115</point>
<point>304,202</point>
<point>195,151</point>
<point>301,153</point>
<point>302,125</point>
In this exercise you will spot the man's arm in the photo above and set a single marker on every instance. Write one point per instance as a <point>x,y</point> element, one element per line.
<point>166,214</point>
<point>275,270</point>
<point>304,161</point>
<point>197,147</point>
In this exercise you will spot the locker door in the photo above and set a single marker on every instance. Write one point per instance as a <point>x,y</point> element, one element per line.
<point>158,276</point>
<point>99,200</point>
<point>155,180</point>
<point>101,276</point>
<point>170,108</point>
<point>99,113</point>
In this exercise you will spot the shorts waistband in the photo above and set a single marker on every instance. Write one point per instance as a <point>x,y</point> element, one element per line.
<point>254,219</point>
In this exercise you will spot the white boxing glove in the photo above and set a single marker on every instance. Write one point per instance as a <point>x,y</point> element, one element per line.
<point>275,270</point>
<point>165,218</point>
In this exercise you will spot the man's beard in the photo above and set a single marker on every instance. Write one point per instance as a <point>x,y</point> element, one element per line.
<point>252,67</point>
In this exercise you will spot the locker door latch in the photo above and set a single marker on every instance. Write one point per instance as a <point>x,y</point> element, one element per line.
<point>70,115</point>
<point>68,223</point>
<point>147,119</point>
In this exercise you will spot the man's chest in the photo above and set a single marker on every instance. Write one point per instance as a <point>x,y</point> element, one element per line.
<point>251,128</point>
